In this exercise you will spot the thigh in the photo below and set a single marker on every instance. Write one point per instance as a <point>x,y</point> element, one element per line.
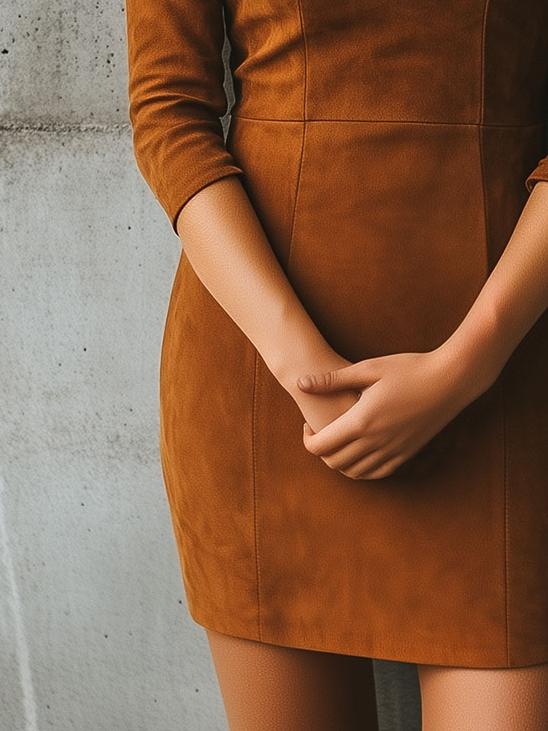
<point>454,698</point>
<point>269,687</point>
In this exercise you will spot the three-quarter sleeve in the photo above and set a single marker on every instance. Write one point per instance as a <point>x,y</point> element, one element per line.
<point>176,97</point>
<point>539,173</point>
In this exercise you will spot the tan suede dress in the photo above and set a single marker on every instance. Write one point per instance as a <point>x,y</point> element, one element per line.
<point>388,149</point>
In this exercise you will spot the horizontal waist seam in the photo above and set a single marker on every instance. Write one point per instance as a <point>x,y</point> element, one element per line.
<point>395,121</point>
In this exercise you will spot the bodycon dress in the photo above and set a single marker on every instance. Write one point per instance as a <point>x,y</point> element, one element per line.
<point>388,149</point>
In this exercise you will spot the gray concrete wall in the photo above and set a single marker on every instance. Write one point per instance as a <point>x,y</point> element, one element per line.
<point>93,624</point>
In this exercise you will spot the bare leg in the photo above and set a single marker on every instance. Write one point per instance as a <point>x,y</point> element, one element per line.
<point>466,699</point>
<point>267,687</point>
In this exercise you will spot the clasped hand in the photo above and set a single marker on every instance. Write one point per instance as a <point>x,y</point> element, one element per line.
<point>400,402</point>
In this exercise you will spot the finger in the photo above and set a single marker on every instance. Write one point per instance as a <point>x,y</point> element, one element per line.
<point>349,454</point>
<point>337,433</point>
<point>385,470</point>
<point>358,374</point>
<point>374,466</point>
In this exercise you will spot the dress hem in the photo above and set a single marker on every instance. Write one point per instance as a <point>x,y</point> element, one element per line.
<point>396,652</point>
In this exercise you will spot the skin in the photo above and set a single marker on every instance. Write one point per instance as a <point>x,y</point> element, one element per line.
<point>491,700</point>
<point>217,242</point>
<point>406,398</point>
<point>366,419</point>
<point>267,687</point>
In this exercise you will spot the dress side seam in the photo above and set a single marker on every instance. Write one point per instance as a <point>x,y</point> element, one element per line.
<point>254,483</point>
<point>506,516</point>
<point>490,264</point>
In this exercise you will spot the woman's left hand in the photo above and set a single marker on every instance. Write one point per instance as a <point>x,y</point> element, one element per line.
<point>406,398</point>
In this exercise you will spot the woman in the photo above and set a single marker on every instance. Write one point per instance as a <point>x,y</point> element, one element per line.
<point>376,219</point>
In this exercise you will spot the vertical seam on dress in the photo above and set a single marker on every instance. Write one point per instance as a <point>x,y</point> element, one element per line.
<point>481,115</point>
<point>506,555</point>
<point>304,121</point>
<point>254,479</point>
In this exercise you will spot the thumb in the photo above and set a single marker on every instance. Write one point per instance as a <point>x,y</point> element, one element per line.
<point>339,379</point>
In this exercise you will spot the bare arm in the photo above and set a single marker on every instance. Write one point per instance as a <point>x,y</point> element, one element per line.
<point>176,99</point>
<point>408,397</point>
<point>514,296</point>
<point>228,249</point>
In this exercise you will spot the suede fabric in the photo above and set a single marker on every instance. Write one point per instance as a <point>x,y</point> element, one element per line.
<point>388,149</point>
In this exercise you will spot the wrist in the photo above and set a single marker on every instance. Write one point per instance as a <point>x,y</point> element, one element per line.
<point>473,353</point>
<point>293,345</point>
<point>314,356</point>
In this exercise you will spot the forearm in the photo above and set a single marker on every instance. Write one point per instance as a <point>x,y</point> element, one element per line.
<point>513,297</point>
<point>227,247</point>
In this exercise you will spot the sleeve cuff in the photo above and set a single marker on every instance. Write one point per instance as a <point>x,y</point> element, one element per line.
<point>178,198</point>
<point>538,174</point>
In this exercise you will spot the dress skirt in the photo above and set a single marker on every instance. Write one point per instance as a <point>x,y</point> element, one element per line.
<point>388,150</point>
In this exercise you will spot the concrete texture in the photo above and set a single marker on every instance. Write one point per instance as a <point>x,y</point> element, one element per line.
<point>93,622</point>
